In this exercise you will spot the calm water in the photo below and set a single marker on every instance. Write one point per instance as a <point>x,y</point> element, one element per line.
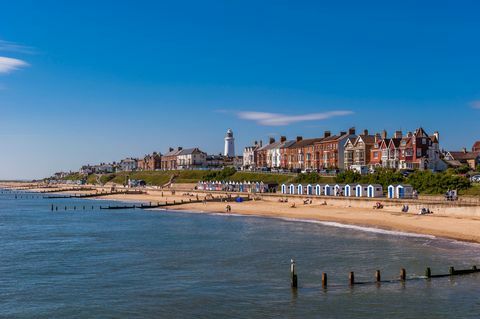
<point>143,264</point>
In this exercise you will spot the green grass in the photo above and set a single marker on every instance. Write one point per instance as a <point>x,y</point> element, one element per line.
<point>160,178</point>
<point>474,190</point>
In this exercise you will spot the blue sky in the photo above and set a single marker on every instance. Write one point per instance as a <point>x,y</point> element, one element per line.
<point>96,81</point>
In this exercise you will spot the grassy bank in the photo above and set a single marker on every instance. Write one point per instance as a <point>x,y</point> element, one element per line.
<point>159,178</point>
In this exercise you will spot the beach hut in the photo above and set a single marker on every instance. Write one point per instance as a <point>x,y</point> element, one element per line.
<point>318,190</point>
<point>391,191</point>
<point>309,189</point>
<point>292,189</point>
<point>348,190</point>
<point>300,189</point>
<point>338,189</point>
<point>374,190</point>
<point>359,190</point>
<point>327,190</point>
<point>284,189</point>
<point>404,191</point>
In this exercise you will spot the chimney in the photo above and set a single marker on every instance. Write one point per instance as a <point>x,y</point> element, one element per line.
<point>261,143</point>
<point>378,137</point>
<point>179,148</point>
<point>365,132</point>
<point>327,134</point>
<point>351,131</point>
<point>384,135</point>
<point>437,135</point>
<point>398,134</point>
<point>299,138</point>
<point>170,149</point>
<point>283,138</point>
<point>255,143</point>
<point>342,133</point>
<point>271,140</point>
<point>409,134</point>
<point>464,150</point>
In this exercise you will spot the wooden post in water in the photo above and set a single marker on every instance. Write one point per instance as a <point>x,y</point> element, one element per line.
<point>452,271</point>
<point>351,278</point>
<point>65,207</point>
<point>428,272</point>
<point>52,207</point>
<point>474,267</point>
<point>324,280</point>
<point>378,277</point>
<point>403,274</point>
<point>294,278</point>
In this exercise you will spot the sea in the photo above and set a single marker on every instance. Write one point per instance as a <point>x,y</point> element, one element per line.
<point>133,263</point>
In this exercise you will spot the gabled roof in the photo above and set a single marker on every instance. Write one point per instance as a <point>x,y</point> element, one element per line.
<point>395,142</point>
<point>189,151</point>
<point>172,153</point>
<point>306,142</point>
<point>420,132</point>
<point>367,139</point>
<point>459,156</point>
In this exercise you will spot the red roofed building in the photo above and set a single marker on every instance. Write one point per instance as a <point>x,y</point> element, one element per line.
<point>476,147</point>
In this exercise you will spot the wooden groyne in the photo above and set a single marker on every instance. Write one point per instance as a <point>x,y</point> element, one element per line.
<point>177,202</point>
<point>67,190</point>
<point>402,278</point>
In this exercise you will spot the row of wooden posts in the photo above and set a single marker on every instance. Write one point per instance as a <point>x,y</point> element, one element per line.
<point>378,277</point>
<point>56,208</point>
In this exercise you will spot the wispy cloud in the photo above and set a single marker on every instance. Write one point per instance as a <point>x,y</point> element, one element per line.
<point>475,104</point>
<point>276,119</point>
<point>7,46</point>
<point>8,65</point>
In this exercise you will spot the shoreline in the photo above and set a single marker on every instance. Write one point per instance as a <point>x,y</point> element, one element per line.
<point>449,221</point>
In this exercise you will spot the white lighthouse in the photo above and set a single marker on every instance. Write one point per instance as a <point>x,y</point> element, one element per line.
<point>229,144</point>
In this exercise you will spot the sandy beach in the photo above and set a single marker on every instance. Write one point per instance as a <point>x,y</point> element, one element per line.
<point>454,221</point>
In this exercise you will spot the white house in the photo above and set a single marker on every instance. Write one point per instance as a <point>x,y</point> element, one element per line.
<point>191,158</point>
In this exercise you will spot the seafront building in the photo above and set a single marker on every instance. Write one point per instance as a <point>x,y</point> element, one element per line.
<point>150,162</point>
<point>128,164</point>
<point>191,158</point>
<point>328,153</point>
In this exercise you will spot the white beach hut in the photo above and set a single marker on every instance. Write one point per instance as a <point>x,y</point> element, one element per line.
<point>327,190</point>
<point>283,189</point>
<point>374,190</point>
<point>359,190</point>
<point>348,191</point>
<point>391,190</point>
<point>404,191</point>
<point>292,189</point>
<point>318,190</point>
<point>300,189</point>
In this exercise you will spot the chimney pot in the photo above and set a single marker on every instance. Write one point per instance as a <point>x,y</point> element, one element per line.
<point>351,131</point>
<point>283,139</point>
<point>299,138</point>
<point>384,134</point>
<point>271,140</point>
<point>365,132</point>
<point>327,134</point>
